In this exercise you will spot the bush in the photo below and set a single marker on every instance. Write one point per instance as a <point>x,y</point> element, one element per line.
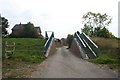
<point>69,40</point>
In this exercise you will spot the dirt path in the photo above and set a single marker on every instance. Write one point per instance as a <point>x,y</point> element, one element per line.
<point>64,64</point>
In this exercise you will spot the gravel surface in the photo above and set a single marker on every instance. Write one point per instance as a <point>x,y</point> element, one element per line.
<point>63,64</point>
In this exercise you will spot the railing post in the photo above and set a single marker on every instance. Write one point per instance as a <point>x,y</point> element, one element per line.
<point>46,36</point>
<point>3,49</point>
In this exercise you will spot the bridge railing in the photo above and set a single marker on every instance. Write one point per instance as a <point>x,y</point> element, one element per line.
<point>81,44</point>
<point>48,42</point>
<point>92,45</point>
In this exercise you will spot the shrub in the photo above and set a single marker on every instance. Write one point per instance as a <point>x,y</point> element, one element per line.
<point>69,40</point>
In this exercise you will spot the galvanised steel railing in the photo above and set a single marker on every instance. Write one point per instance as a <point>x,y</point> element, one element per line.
<point>81,44</point>
<point>92,45</point>
<point>48,42</point>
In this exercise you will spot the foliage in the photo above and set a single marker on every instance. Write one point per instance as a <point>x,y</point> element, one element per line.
<point>86,30</point>
<point>4,26</point>
<point>95,25</point>
<point>109,52</point>
<point>106,43</point>
<point>28,54</point>
<point>28,31</point>
<point>103,32</point>
<point>108,46</point>
<point>69,40</point>
<point>96,20</point>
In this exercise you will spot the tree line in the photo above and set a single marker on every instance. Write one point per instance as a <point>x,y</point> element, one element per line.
<point>95,25</point>
<point>4,23</point>
<point>28,30</point>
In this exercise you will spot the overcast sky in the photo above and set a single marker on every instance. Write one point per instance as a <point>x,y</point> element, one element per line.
<point>61,16</point>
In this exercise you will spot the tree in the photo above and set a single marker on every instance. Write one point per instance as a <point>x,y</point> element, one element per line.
<point>25,31</point>
<point>94,22</point>
<point>0,26</point>
<point>86,30</point>
<point>69,40</point>
<point>4,26</point>
<point>103,33</point>
<point>29,31</point>
<point>111,35</point>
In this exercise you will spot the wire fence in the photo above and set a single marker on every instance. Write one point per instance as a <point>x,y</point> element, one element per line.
<point>25,49</point>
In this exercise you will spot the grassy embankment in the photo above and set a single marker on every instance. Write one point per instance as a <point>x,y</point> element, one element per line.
<point>108,52</point>
<point>28,53</point>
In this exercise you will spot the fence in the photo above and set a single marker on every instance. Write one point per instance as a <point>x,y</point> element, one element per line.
<point>88,49</point>
<point>81,44</point>
<point>92,45</point>
<point>8,48</point>
<point>48,44</point>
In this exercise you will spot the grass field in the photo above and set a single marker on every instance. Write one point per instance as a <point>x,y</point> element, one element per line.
<point>26,48</point>
<point>28,53</point>
<point>108,52</point>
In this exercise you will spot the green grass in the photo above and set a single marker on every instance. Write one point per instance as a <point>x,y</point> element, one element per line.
<point>108,52</point>
<point>27,49</point>
<point>28,58</point>
<point>108,46</point>
<point>104,59</point>
<point>106,43</point>
<point>24,43</point>
<point>28,53</point>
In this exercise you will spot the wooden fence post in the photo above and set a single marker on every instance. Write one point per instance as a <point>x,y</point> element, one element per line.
<point>3,49</point>
<point>9,53</point>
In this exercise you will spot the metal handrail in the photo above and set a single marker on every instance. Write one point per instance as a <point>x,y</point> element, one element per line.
<point>47,44</point>
<point>91,41</point>
<point>81,43</point>
<point>80,40</point>
<point>91,44</point>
